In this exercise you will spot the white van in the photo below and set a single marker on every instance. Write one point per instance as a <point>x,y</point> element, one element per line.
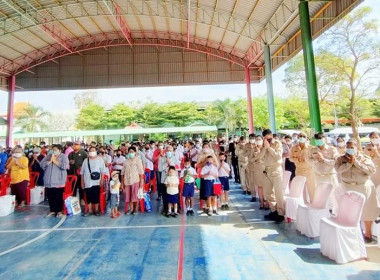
<point>346,133</point>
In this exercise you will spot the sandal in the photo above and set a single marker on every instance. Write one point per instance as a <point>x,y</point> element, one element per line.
<point>51,214</point>
<point>59,215</point>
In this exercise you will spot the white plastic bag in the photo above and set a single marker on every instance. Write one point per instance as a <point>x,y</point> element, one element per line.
<point>140,193</point>
<point>37,195</point>
<point>7,204</point>
<point>72,206</point>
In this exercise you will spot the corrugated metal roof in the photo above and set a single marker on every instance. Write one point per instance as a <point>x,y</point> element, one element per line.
<point>34,31</point>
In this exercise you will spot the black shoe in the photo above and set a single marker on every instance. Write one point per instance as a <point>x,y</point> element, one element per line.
<point>208,212</point>
<point>266,208</point>
<point>368,239</point>
<point>244,192</point>
<point>223,207</point>
<point>253,199</point>
<point>204,210</point>
<point>97,213</point>
<point>174,215</point>
<point>226,207</point>
<point>248,192</point>
<point>167,215</point>
<point>192,212</point>
<point>187,212</point>
<point>279,219</point>
<point>272,216</point>
<point>214,212</point>
<point>158,198</point>
<point>261,208</point>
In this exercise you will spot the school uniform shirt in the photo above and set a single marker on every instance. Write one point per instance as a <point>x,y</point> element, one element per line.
<point>172,180</point>
<point>194,154</point>
<point>209,168</point>
<point>224,170</point>
<point>149,159</point>
<point>188,179</point>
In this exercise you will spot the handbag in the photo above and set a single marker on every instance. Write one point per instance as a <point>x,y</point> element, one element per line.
<point>94,175</point>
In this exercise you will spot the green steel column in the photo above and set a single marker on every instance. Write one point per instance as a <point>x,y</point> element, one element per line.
<point>308,55</point>
<point>268,77</point>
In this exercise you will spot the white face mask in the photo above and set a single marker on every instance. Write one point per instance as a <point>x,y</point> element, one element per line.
<point>375,141</point>
<point>252,141</point>
<point>341,144</point>
<point>56,153</point>
<point>92,154</point>
<point>259,142</point>
<point>17,155</point>
<point>206,150</point>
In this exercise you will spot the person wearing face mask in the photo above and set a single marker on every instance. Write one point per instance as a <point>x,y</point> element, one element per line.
<point>322,159</point>
<point>3,160</point>
<point>103,154</point>
<point>202,161</point>
<point>164,163</point>
<point>373,150</point>
<point>157,153</point>
<point>286,147</point>
<point>19,173</point>
<point>223,175</point>
<point>234,160</point>
<point>76,159</point>
<point>118,161</point>
<point>243,162</point>
<point>249,153</point>
<point>34,165</point>
<point>209,174</point>
<point>188,174</point>
<point>149,151</point>
<point>115,194</point>
<point>341,146</point>
<point>132,179</point>
<point>355,169</point>
<point>271,154</point>
<point>194,151</point>
<point>55,166</point>
<point>299,154</point>
<point>92,171</point>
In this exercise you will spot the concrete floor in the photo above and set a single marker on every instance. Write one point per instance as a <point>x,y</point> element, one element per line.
<point>237,244</point>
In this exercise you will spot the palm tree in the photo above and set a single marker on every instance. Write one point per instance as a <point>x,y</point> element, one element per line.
<point>33,119</point>
<point>222,112</point>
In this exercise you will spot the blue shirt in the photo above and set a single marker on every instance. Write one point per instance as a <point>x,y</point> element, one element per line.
<point>3,161</point>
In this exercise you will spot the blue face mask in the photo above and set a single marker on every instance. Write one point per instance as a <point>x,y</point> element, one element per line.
<point>319,142</point>
<point>50,152</point>
<point>169,154</point>
<point>208,163</point>
<point>351,151</point>
<point>131,155</point>
<point>302,140</point>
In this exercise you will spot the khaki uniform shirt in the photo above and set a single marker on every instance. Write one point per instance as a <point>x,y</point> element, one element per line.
<point>300,156</point>
<point>374,153</point>
<point>272,156</point>
<point>242,158</point>
<point>250,152</point>
<point>357,172</point>
<point>325,167</point>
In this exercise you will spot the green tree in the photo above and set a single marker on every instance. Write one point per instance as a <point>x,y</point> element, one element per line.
<point>181,113</point>
<point>222,113</point>
<point>119,116</point>
<point>91,116</point>
<point>33,119</point>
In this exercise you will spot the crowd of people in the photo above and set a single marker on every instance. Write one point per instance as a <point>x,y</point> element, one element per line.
<point>256,162</point>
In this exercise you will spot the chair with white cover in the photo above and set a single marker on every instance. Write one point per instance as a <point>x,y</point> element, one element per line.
<point>341,237</point>
<point>295,197</point>
<point>285,181</point>
<point>309,216</point>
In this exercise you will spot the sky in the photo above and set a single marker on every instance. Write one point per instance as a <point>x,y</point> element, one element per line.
<point>63,101</point>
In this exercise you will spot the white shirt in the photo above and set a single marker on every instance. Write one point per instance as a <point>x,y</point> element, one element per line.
<point>119,162</point>
<point>194,154</point>
<point>209,168</point>
<point>149,159</point>
<point>224,170</point>
<point>191,171</point>
<point>114,187</point>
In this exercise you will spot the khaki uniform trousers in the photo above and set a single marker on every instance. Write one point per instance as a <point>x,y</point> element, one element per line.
<point>310,182</point>
<point>243,176</point>
<point>251,180</point>
<point>273,189</point>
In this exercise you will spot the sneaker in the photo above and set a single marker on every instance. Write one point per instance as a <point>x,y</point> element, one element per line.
<point>187,212</point>
<point>279,219</point>
<point>204,210</point>
<point>214,212</point>
<point>226,207</point>
<point>192,212</point>
<point>173,215</point>
<point>272,216</point>
<point>253,199</point>
<point>167,215</point>
<point>133,213</point>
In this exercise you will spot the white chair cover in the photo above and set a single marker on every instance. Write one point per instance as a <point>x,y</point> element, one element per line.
<point>285,181</point>
<point>309,216</point>
<point>341,238</point>
<point>295,197</point>
<point>376,232</point>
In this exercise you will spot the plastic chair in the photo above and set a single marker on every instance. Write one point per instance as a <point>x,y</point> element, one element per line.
<point>309,216</point>
<point>32,183</point>
<point>341,238</point>
<point>285,181</point>
<point>5,182</point>
<point>294,198</point>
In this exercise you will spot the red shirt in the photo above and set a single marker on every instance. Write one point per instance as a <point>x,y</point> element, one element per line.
<point>156,153</point>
